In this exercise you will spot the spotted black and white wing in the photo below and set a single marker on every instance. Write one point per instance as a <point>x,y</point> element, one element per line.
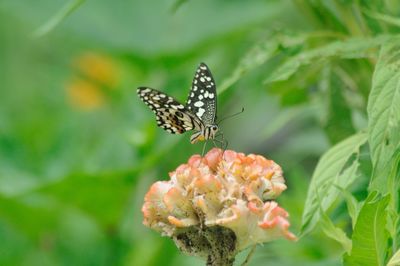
<point>202,100</point>
<point>171,115</point>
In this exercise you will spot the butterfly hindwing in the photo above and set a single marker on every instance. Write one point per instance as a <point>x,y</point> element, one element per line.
<point>171,115</point>
<point>202,100</point>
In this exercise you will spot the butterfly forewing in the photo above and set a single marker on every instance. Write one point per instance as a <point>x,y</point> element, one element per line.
<point>171,115</point>
<point>202,100</point>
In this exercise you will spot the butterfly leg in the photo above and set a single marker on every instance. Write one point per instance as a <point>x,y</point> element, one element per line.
<point>203,151</point>
<point>216,142</point>
<point>204,148</point>
<point>223,141</point>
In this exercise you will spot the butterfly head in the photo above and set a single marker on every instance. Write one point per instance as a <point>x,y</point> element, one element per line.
<point>211,130</point>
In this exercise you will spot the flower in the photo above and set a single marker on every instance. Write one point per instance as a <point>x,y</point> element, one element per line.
<point>85,95</point>
<point>98,67</point>
<point>96,74</point>
<point>224,197</point>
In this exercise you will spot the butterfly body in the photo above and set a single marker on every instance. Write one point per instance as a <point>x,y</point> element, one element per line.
<point>199,112</point>
<point>206,133</point>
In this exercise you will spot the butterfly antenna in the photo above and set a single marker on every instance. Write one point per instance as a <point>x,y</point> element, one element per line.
<point>230,116</point>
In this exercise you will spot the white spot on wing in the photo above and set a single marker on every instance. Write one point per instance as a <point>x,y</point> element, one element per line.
<point>200,112</point>
<point>198,104</point>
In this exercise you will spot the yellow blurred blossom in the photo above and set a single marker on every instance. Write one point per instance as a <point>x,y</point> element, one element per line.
<point>99,68</point>
<point>85,95</point>
<point>97,72</point>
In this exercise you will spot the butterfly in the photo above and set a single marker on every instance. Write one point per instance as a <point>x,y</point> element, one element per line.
<point>199,112</point>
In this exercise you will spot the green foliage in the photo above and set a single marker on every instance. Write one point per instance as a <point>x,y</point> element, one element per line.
<point>395,260</point>
<point>333,170</point>
<point>334,232</point>
<point>384,117</point>
<point>370,235</point>
<point>350,48</point>
<point>319,81</point>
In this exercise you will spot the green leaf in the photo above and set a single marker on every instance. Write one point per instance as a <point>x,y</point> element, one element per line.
<point>334,232</point>
<point>384,117</point>
<point>383,17</point>
<point>353,206</point>
<point>58,17</point>
<point>338,121</point>
<point>350,48</point>
<point>331,171</point>
<point>259,54</point>
<point>395,260</point>
<point>370,238</point>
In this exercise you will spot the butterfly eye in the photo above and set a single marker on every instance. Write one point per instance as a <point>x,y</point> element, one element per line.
<point>215,128</point>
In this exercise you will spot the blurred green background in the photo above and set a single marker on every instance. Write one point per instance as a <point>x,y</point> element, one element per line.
<point>78,150</point>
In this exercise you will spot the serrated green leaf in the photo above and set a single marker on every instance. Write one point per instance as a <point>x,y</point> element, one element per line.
<point>384,117</point>
<point>353,206</point>
<point>370,238</point>
<point>334,232</point>
<point>350,48</point>
<point>329,172</point>
<point>395,260</point>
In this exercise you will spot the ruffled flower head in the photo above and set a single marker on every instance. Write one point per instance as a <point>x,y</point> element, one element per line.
<point>219,204</point>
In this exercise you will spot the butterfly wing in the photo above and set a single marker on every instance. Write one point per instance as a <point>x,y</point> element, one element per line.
<point>202,100</point>
<point>171,115</point>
